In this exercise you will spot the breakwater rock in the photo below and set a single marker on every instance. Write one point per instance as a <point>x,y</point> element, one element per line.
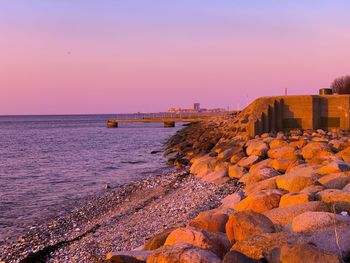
<point>295,202</point>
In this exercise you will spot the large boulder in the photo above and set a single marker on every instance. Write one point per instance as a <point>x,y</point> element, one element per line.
<point>299,178</point>
<point>346,188</point>
<point>280,165</point>
<point>203,165</point>
<point>312,190</point>
<point>236,172</point>
<point>260,175</point>
<point>283,152</point>
<point>314,221</point>
<point>243,225</point>
<point>259,245</point>
<point>260,186</point>
<point>260,202</point>
<point>237,257</point>
<point>158,240</point>
<point>211,221</point>
<point>229,153</point>
<point>277,143</point>
<point>216,177</point>
<point>215,242</point>
<point>259,165</point>
<point>284,216</point>
<point>257,147</point>
<point>230,201</point>
<point>338,199</point>
<point>294,165</point>
<point>182,253</point>
<point>316,150</point>
<point>295,198</point>
<point>335,180</point>
<point>248,162</point>
<point>344,154</point>
<point>237,157</point>
<point>301,253</point>
<point>128,256</point>
<point>333,167</point>
<point>338,145</point>
<point>300,143</point>
<point>334,239</point>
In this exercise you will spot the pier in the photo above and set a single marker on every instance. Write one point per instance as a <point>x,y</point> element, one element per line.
<point>169,120</point>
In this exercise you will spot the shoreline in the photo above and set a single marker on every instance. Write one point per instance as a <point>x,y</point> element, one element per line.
<point>61,237</point>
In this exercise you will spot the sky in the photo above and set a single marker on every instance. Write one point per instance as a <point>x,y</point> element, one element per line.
<point>124,56</point>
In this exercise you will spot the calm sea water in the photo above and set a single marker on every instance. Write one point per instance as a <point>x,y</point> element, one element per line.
<point>49,162</point>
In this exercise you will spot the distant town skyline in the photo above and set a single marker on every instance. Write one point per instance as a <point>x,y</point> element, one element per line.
<point>89,56</point>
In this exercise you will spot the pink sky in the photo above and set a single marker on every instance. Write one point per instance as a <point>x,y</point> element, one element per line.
<point>59,59</point>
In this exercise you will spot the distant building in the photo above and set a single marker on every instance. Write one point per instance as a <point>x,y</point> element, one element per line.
<point>197,107</point>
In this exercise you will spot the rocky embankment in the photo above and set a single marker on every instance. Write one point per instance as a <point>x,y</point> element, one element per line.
<point>294,205</point>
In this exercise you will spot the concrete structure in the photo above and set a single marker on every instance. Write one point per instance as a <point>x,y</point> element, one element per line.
<point>299,112</point>
<point>168,121</point>
<point>197,107</point>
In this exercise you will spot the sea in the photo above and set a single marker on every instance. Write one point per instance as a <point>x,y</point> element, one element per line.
<point>47,163</point>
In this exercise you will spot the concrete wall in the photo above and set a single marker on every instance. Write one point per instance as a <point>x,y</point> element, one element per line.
<point>304,112</point>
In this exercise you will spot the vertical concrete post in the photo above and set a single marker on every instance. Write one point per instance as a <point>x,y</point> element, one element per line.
<point>112,124</point>
<point>169,124</point>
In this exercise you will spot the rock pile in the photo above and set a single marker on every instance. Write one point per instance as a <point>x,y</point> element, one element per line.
<point>294,207</point>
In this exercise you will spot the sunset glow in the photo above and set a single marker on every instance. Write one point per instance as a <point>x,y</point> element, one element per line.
<point>64,57</point>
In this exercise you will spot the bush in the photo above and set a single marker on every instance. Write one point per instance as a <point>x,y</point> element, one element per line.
<point>341,85</point>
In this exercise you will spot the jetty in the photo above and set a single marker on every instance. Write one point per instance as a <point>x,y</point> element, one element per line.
<point>169,120</point>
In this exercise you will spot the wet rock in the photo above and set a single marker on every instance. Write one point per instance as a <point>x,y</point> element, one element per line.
<point>182,253</point>
<point>243,225</point>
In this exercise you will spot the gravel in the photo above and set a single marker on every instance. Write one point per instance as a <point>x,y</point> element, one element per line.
<point>120,219</point>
